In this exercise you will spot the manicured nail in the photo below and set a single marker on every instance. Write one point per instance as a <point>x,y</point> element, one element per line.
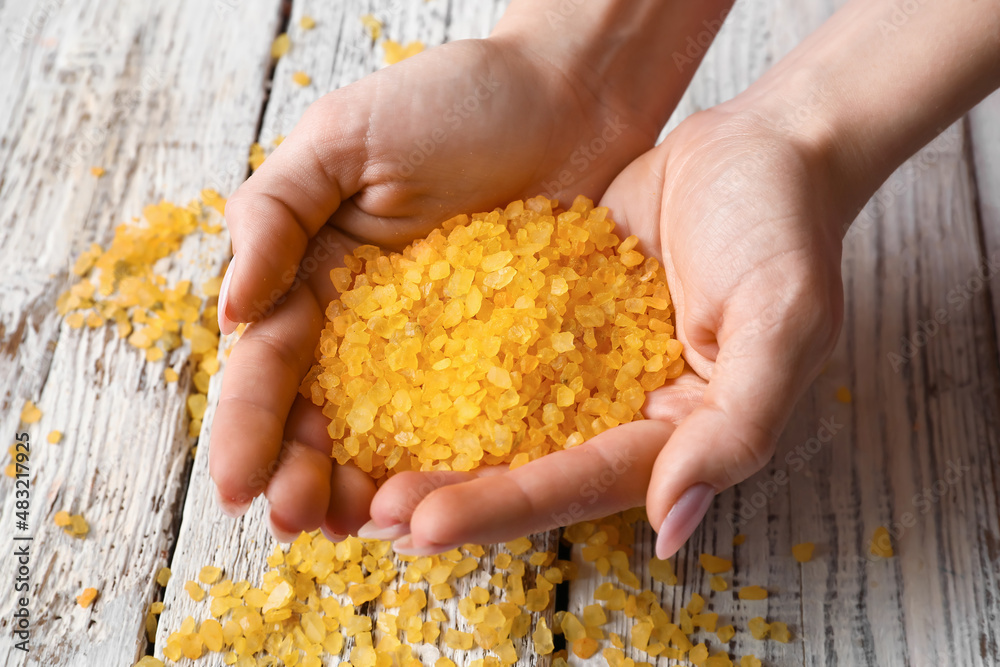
<point>279,534</point>
<point>682,519</point>
<point>231,508</point>
<point>226,325</point>
<point>333,537</point>
<point>404,547</point>
<point>370,531</point>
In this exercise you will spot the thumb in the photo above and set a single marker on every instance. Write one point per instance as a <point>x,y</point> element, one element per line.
<point>286,201</point>
<point>755,382</point>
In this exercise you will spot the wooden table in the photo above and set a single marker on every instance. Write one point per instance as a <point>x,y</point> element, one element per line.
<point>168,96</point>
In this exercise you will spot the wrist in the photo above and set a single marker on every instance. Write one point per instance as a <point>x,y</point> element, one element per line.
<point>869,88</point>
<point>629,57</point>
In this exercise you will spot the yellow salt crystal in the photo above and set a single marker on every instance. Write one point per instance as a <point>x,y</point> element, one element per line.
<point>714,564</point>
<point>752,593</point>
<point>163,576</point>
<point>78,526</point>
<point>738,540</point>
<point>718,584</point>
<point>396,52</point>
<point>87,597</point>
<point>170,375</point>
<point>281,45</point>
<point>844,395</point>
<point>280,597</point>
<point>257,156</point>
<point>62,519</point>
<point>196,592</point>
<point>662,571</point>
<point>211,634</point>
<point>373,26</point>
<point>725,633</point>
<point>307,22</point>
<point>584,647</point>
<point>209,574</point>
<point>30,413</point>
<point>758,627</point>
<point>542,638</point>
<point>572,628</point>
<point>301,78</point>
<point>149,661</point>
<point>779,632</point>
<point>54,437</point>
<point>881,544</point>
<point>197,403</point>
<point>750,661</point>
<point>698,655</point>
<point>518,546</point>
<point>97,171</point>
<point>361,593</point>
<point>803,552</point>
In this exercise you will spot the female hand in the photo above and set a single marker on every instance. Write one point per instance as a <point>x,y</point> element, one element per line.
<point>744,217</point>
<point>746,205</point>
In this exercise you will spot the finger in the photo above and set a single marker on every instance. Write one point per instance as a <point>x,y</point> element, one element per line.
<point>607,474</point>
<point>299,492</point>
<point>732,434</point>
<point>351,493</point>
<point>261,381</point>
<point>399,496</point>
<point>348,491</point>
<point>284,203</point>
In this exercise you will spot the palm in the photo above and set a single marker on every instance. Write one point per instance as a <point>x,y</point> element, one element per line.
<point>466,127</point>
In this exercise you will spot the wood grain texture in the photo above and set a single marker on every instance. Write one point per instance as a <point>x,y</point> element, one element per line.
<point>334,53</point>
<point>157,99</point>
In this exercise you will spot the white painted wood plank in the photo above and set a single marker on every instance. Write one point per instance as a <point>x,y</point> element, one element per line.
<point>154,97</point>
<point>984,144</point>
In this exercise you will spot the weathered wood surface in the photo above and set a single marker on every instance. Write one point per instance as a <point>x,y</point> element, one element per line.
<point>169,99</point>
<point>159,95</point>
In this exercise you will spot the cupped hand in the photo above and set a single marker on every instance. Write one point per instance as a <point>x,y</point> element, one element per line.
<point>463,127</point>
<point>744,213</point>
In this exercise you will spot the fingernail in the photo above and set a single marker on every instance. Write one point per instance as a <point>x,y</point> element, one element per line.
<point>279,534</point>
<point>226,325</point>
<point>370,531</point>
<point>231,508</point>
<point>682,519</point>
<point>333,537</point>
<point>404,546</point>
